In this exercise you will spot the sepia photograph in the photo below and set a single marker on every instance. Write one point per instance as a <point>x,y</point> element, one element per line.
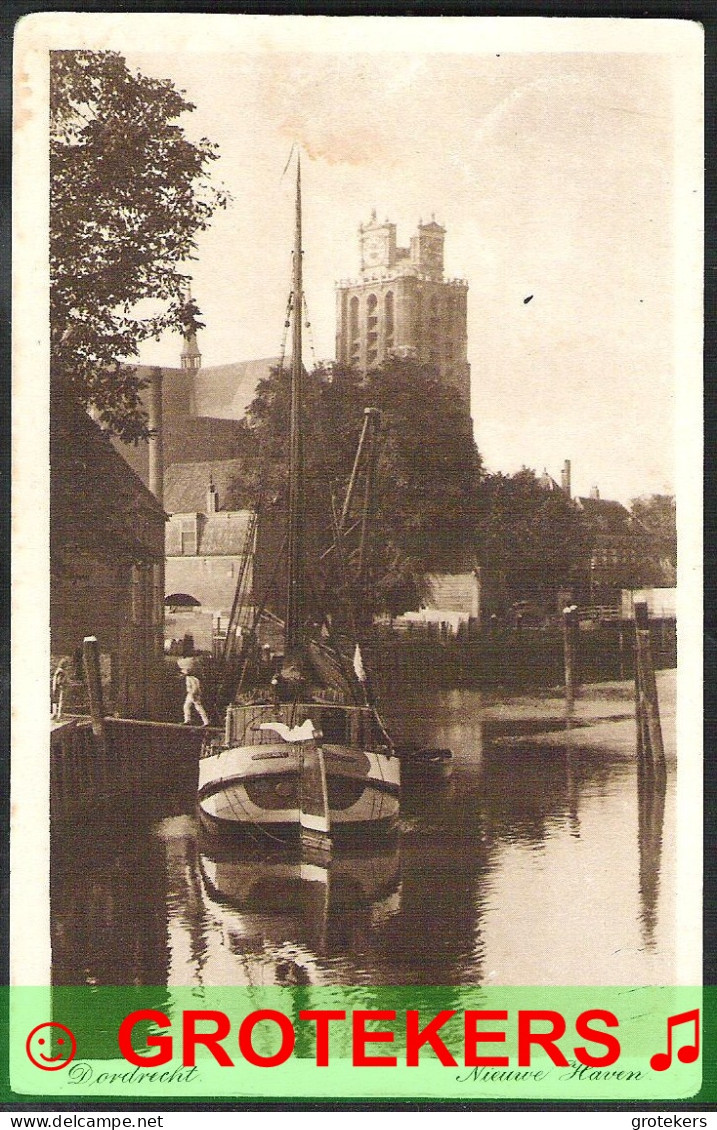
<point>357,419</point>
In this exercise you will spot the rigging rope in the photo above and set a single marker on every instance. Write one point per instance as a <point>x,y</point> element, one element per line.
<point>307,323</point>
<point>287,326</point>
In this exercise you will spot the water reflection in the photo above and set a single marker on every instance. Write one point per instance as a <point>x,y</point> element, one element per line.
<point>242,916</point>
<point>651,795</point>
<point>545,862</point>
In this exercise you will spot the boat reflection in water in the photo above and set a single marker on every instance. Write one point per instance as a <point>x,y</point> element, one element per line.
<point>300,917</point>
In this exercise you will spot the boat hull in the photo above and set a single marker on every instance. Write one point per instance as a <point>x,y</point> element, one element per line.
<point>256,789</point>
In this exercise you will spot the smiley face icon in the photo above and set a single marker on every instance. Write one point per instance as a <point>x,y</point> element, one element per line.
<point>39,1046</point>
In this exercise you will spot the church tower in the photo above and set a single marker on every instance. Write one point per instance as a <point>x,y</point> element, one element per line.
<point>401,305</point>
<point>190,357</point>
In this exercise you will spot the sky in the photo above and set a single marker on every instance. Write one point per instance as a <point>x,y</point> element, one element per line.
<point>553,172</point>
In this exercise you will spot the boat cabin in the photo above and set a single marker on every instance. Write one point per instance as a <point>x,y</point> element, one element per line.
<point>355,726</point>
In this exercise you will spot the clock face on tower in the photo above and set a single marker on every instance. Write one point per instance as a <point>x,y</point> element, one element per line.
<point>373,250</point>
<point>432,256</point>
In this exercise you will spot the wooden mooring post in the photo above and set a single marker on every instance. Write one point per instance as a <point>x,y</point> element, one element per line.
<point>93,682</point>
<point>570,648</point>
<point>650,747</point>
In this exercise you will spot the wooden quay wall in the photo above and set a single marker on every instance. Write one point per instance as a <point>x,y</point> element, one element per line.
<point>151,764</point>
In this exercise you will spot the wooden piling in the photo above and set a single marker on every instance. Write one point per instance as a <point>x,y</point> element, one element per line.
<point>650,746</point>
<point>570,637</point>
<point>639,746</point>
<point>93,682</point>
<point>651,706</point>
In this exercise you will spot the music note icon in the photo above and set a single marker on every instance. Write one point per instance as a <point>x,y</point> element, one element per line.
<point>689,1051</point>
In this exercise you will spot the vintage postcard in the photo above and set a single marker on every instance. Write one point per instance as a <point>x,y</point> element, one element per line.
<point>357,416</point>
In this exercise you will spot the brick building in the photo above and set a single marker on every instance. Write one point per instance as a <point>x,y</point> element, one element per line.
<point>208,550</point>
<point>623,554</point>
<point>106,561</point>
<point>205,545</point>
<point>402,305</point>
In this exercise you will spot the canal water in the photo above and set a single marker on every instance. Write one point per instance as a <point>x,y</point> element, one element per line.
<point>543,861</point>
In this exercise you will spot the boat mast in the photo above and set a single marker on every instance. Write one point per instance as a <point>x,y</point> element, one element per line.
<point>295,528</point>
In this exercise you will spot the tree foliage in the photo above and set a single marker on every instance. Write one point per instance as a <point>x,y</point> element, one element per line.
<point>128,194</point>
<point>532,540</point>
<point>657,514</point>
<point>427,473</point>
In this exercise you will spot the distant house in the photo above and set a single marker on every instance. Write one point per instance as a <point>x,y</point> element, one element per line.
<point>623,555</point>
<point>207,549</point>
<point>106,560</point>
<point>451,601</point>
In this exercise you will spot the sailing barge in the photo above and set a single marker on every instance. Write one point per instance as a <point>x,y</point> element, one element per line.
<point>311,759</point>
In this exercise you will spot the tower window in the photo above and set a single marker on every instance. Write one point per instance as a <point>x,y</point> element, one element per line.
<point>388,312</point>
<point>354,318</point>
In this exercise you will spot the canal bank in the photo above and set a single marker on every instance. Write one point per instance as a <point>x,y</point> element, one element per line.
<point>602,715</point>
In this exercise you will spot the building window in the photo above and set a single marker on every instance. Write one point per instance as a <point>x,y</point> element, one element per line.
<point>354,318</point>
<point>372,313</point>
<point>188,538</point>
<point>388,312</point>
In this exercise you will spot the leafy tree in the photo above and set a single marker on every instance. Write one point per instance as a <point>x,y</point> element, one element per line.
<point>128,194</point>
<point>532,540</point>
<point>656,513</point>
<point>427,474</point>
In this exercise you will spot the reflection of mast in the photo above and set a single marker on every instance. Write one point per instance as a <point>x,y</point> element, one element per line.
<point>650,819</point>
<point>295,529</point>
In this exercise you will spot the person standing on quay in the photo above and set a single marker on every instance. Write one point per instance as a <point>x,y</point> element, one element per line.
<point>194,699</point>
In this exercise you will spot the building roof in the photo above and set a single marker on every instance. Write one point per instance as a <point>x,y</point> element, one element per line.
<point>186,484</point>
<point>226,391</point>
<point>223,392</point>
<point>607,516</point>
<point>97,502</point>
<point>547,482</point>
<point>218,535</point>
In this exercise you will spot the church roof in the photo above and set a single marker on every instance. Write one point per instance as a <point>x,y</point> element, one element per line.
<point>186,484</point>
<point>226,391</point>
<point>223,392</point>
